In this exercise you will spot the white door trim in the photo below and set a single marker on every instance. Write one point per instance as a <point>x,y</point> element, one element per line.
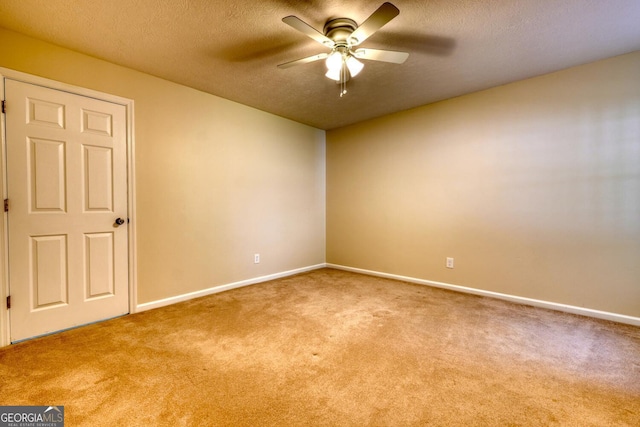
<point>128,104</point>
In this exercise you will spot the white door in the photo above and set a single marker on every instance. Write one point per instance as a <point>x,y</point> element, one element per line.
<point>67,188</point>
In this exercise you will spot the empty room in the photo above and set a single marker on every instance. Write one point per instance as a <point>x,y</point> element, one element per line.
<point>320,213</point>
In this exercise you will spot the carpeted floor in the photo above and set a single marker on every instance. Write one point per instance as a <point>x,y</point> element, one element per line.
<point>332,348</point>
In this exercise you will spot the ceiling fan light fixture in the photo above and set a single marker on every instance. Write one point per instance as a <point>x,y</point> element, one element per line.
<point>334,61</point>
<point>354,65</point>
<point>334,74</point>
<point>337,62</point>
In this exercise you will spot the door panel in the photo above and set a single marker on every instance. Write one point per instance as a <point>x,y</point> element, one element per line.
<point>48,260</point>
<point>45,113</point>
<point>67,183</point>
<point>99,258</point>
<point>46,163</point>
<point>98,168</point>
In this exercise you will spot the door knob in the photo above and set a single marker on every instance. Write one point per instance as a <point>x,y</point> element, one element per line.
<point>119,222</point>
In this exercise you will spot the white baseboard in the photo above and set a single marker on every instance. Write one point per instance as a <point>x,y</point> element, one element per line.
<point>615,317</point>
<point>221,288</point>
<point>620,318</point>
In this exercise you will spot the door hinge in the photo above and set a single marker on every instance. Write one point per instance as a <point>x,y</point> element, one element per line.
<point>9,302</point>
<point>6,205</point>
<point>4,106</point>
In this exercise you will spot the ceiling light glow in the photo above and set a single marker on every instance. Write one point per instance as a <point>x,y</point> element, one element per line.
<point>334,61</point>
<point>354,65</point>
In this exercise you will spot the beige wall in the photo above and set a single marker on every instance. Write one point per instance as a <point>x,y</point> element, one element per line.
<point>533,188</point>
<point>216,181</point>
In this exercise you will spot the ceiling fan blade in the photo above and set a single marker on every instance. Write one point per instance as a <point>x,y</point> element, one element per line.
<point>381,55</point>
<point>377,20</point>
<point>304,60</point>
<point>308,30</point>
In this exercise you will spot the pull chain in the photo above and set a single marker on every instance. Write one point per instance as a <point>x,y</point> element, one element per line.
<point>343,79</point>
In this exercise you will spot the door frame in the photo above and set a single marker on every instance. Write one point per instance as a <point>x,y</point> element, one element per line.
<point>5,326</point>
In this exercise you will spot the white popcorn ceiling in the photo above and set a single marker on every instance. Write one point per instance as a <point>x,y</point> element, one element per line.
<point>231,48</point>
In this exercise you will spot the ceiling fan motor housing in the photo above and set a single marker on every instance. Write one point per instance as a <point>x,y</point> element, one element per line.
<point>340,29</point>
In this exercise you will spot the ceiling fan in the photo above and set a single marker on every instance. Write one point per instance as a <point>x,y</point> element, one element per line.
<point>342,36</point>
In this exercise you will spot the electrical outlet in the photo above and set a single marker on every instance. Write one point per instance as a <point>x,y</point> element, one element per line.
<point>256,259</point>
<point>449,262</point>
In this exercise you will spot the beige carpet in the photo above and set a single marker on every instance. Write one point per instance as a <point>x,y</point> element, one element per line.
<point>331,348</point>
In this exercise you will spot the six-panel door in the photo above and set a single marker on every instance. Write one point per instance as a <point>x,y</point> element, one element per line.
<point>67,185</point>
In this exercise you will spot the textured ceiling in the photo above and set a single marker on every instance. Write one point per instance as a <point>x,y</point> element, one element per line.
<point>231,48</point>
